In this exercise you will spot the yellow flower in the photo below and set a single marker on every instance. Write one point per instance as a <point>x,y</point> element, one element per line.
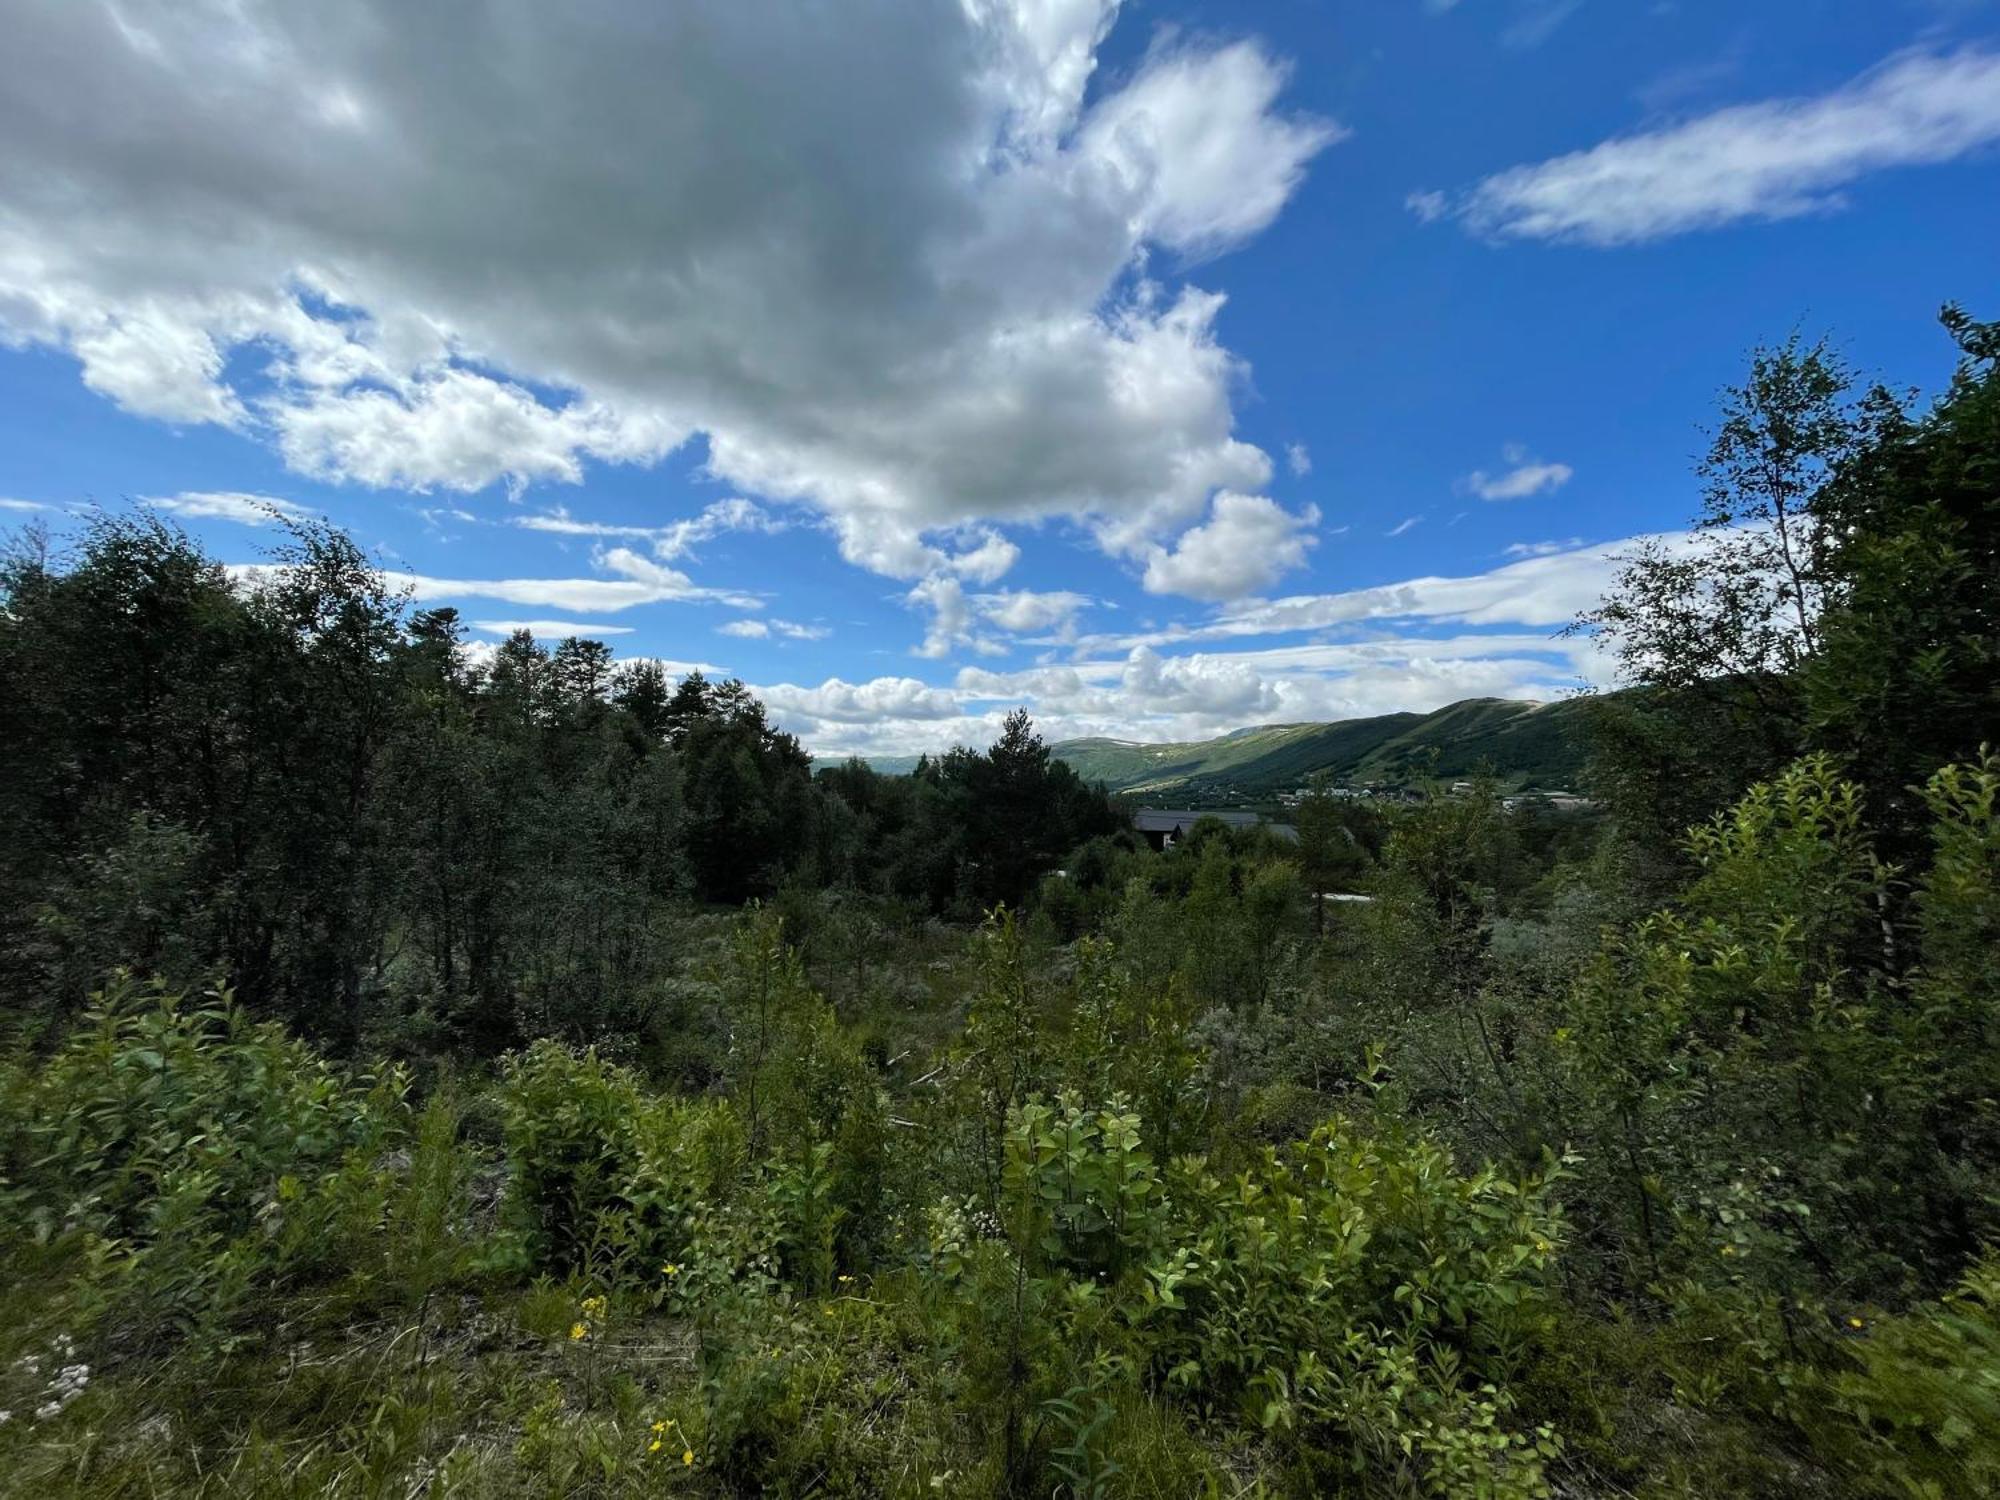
<point>670,1269</point>
<point>654,1446</point>
<point>659,1427</point>
<point>1856,1323</point>
<point>688,1456</point>
<point>577,1331</point>
<point>843,1280</point>
<point>1728,1249</point>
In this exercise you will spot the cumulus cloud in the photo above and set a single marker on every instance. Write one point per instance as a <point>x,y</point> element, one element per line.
<point>1298,459</point>
<point>1526,476</point>
<point>1775,159</point>
<point>860,702</point>
<point>227,505</point>
<point>1026,612</point>
<point>1194,140</point>
<point>1150,695</point>
<point>1418,644</point>
<point>1247,544</point>
<point>882,256</point>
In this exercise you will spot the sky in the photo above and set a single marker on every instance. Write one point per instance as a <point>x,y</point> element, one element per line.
<point>1164,367</point>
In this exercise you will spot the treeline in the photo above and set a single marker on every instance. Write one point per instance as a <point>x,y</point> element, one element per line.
<point>296,784</point>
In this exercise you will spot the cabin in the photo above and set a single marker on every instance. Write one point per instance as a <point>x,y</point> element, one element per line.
<point>1163,827</point>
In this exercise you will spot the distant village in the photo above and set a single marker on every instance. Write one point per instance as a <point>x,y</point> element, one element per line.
<point>1378,791</point>
<point>1163,827</point>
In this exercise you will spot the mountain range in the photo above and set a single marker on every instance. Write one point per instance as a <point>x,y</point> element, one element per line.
<point>1538,746</point>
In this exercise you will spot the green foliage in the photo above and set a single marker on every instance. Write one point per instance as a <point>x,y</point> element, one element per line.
<point>1581,1158</point>
<point>1921,1397</point>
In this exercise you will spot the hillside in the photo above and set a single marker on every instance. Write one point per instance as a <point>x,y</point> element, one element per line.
<point>1538,745</point>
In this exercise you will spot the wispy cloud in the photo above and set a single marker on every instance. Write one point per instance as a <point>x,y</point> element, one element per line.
<point>759,630</point>
<point>1525,476</point>
<point>550,629</point>
<point>227,505</point>
<point>1775,159</point>
<point>675,539</point>
<point>1402,526</point>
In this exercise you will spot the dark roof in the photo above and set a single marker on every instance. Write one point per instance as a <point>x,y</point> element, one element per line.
<point>1179,820</point>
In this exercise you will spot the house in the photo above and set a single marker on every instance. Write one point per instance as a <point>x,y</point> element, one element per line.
<point>1165,827</point>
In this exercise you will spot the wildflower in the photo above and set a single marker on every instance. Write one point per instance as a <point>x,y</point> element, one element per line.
<point>654,1446</point>
<point>659,1427</point>
<point>593,1307</point>
<point>1728,1249</point>
<point>843,1280</point>
<point>1856,1323</point>
<point>577,1331</point>
<point>687,1457</point>
<point>670,1269</point>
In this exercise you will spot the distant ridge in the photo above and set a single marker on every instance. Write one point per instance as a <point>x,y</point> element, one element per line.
<point>1527,745</point>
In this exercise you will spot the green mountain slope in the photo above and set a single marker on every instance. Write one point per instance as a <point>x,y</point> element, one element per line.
<point>1538,745</point>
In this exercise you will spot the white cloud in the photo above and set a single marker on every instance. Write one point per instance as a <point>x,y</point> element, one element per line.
<point>1025,612</point>
<point>458,430</point>
<point>1148,695</point>
<point>951,616</point>
<point>862,702</point>
<point>639,582</point>
<point>673,540</point>
<point>550,629</point>
<point>1429,205</point>
<point>1542,549</point>
<point>23,505</point>
<point>1298,459</point>
<point>1526,476</point>
<point>1775,159</point>
<point>1247,544</point>
<point>929,311</point>
<point>1535,21</point>
<point>1404,525</point>
<point>1194,141</point>
<point>1387,655</point>
<point>758,630</point>
<point>1501,643</point>
<point>227,505</point>
<point>988,562</point>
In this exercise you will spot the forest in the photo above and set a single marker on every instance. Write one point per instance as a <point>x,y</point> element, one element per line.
<point>428,1071</point>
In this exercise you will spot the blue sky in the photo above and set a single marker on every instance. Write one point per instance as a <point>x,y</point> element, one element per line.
<point>1167,368</point>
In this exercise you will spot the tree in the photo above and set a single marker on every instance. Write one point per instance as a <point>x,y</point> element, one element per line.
<point>1329,854</point>
<point>1711,628</point>
<point>1907,673</point>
